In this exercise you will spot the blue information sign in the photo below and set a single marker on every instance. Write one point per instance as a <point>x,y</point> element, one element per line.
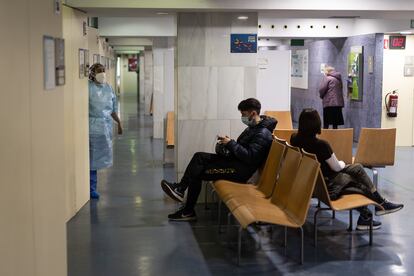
<point>243,43</point>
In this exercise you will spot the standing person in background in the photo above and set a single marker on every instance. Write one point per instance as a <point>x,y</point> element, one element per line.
<point>102,110</point>
<point>330,91</point>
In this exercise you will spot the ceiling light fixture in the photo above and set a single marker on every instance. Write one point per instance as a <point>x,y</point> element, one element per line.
<point>243,17</point>
<point>162,13</point>
<point>406,33</point>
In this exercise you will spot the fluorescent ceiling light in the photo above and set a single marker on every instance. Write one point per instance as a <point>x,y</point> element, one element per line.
<point>162,13</point>
<point>243,17</point>
<point>406,33</point>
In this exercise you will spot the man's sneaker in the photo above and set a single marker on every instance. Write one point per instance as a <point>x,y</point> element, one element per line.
<point>182,215</point>
<point>172,190</point>
<point>363,224</point>
<point>388,208</point>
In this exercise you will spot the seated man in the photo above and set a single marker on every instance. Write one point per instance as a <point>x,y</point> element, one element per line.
<point>244,157</point>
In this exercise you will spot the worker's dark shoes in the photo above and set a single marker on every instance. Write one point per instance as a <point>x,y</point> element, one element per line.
<point>388,208</point>
<point>183,215</point>
<point>173,190</point>
<point>363,224</point>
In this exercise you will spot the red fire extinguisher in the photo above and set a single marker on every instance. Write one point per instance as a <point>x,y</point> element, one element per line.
<point>391,103</point>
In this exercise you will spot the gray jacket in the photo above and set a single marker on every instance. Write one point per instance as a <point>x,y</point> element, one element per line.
<point>330,90</point>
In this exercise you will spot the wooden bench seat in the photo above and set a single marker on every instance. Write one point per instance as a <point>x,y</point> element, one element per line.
<point>170,136</point>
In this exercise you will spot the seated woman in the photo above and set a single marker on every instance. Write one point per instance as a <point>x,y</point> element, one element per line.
<point>340,178</point>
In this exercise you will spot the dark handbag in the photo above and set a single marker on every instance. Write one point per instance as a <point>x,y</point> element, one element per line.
<point>222,150</point>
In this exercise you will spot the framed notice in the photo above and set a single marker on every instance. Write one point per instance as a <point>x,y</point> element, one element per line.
<point>132,64</point>
<point>49,62</point>
<point>355,73</point>
<point>299,73</point>
<point>96,58</point>
<point>243,43</point>
<point>60,61</point>
<point>81,63</point>
<point>87,63</point>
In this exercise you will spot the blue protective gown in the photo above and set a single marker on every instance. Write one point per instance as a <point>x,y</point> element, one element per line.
<point>102,102</point>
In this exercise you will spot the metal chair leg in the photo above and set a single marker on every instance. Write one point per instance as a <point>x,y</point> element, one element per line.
<point>301,246</point>
<point>205,197</point>
<point>213,195</point>
<point>219,215</point>
<point>350,228</point>
<point>239,244</point>
<point>259,241</point>
<point>375,177</point>
<point>319,204</point>
<point>315,227</point>
<point>333,214</point>
<point>285,241</point>
<point>371,224</point>
<point>228,227</point>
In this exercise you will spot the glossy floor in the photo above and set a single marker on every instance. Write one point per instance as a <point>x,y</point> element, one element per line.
<point>126,232</point>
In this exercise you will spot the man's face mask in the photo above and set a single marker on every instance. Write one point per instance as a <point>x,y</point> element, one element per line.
<point>248,120</point>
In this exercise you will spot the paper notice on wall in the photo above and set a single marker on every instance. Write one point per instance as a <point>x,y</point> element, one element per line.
<point>322,68</point>
<point>299,67</point>
<point>409,66</point>
<point>262,63</point>
<point>49,62</point>
<point>409,60</point>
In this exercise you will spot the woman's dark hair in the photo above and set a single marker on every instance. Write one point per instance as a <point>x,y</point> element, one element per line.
<point>309,122</point>
<point>250,104</point>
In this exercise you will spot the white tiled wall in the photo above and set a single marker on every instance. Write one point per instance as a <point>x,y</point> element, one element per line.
<point>211,81</point>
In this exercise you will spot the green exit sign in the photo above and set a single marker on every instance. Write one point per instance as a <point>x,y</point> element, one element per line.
<point>297,42</point>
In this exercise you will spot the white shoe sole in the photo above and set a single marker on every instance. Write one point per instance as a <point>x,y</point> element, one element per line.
<point>386,212</point>
<point>366,227</point>
<point>171,193</point>
<point>193,218</point>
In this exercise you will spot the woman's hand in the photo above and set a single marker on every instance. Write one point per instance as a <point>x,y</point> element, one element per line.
<point>119,129</point>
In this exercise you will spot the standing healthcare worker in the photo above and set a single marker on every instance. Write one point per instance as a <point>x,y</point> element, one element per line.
<point>102,110</point>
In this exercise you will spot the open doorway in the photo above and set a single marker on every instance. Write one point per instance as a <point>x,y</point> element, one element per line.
<point>127,74</point>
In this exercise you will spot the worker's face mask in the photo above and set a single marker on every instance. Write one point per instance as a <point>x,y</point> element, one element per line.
<point>101,77</point>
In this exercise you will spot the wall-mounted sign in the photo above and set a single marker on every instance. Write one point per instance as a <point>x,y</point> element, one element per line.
<point>132,64</point>
<point>243,43</point>
<point>412,23</point>
<point>81,64</point>
<point>84,28</point>
<point>299,70</point>
<point>409,66</point>
<point>96,58</point>
<point>386,43</point>
<point>355,72</point>
<point>49,62</point>
<point>397,42</point>
<point>57,6</point>
<point>60,61</point>
<point>87,63</point>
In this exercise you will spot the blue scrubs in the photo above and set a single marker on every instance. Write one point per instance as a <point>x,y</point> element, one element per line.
<point>102,103</point>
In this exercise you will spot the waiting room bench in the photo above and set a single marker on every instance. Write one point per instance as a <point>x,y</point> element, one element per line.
<point>284,118</point>
<point>170,137</point>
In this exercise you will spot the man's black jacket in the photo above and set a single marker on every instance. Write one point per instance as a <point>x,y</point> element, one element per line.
<point>253,145</point>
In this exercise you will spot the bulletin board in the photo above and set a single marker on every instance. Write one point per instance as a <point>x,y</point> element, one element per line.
<point>299,64</point>
<point>355,73</point>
